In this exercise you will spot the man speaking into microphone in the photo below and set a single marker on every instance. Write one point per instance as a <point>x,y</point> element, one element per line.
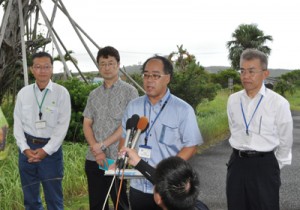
<point>172,130</point>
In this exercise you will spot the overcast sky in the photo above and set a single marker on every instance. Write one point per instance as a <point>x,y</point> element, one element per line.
<point>141,28</point>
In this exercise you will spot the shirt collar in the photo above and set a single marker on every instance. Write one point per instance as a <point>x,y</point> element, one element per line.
<point>262,91</point>
<point>116,84</point>
<point>162,100</point>
<point>49,86</point>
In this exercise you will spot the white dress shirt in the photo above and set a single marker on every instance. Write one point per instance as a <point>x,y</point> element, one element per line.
<point>270,127</point>
<point>56,112</point>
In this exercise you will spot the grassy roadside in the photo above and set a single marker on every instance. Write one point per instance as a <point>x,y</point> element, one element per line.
<point>212,121</point>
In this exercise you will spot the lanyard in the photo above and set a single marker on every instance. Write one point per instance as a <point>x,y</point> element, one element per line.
<point>40,104</point>
<point>161,109</point>
<point>248,124</point>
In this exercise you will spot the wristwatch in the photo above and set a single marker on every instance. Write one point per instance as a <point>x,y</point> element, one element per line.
<point>103,147</point>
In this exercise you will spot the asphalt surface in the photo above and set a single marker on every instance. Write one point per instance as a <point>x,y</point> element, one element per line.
<point>211,166</point>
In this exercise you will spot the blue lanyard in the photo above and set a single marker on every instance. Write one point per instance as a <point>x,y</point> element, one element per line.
<point>161,109</point>
<point>248,124</point>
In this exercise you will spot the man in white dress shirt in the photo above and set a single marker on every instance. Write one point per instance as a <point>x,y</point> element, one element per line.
<point>261,129</point>
<point>41,120</point>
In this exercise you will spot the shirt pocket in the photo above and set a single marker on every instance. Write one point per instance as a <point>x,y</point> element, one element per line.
<point>51,116</point>
<point>266,125</point>
<point>170,135</point>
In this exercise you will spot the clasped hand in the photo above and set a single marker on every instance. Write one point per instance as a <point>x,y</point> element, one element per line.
<point>36,155</point>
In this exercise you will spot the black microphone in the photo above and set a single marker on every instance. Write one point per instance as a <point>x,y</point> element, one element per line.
<point>128,131</point>
<point>141,127</point>
<point>133,123</point>
<point>131,126</point>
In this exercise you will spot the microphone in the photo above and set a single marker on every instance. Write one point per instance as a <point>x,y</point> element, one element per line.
<point>133,126</point>
<point>128,131</point>
<point>141,127</point>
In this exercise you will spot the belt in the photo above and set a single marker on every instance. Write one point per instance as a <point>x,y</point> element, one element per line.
<point>251,153</point>
<point>36,140</point>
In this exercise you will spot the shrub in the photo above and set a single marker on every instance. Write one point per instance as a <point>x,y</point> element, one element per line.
<point>79,93</point>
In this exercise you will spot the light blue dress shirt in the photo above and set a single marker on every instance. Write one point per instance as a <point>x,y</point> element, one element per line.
<point>175,128</point>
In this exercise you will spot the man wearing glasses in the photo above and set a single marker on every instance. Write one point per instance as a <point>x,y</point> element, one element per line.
<point>261,129</point>
<point>172,130</point>
<point>102,128</point>
<point>41,120</point>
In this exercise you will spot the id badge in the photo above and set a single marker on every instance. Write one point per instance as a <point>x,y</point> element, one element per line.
<point>145,151</point>
<point>40,124</point>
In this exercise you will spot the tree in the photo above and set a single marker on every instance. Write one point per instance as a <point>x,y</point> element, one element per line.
<point>182,58</point>
<point>282,86</point>
<point>222,77</point>
<point>193,85</point>
<point>246,36</point>
<point>10,49</point>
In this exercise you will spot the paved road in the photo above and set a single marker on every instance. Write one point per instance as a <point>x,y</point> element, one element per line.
<point>211,166</point>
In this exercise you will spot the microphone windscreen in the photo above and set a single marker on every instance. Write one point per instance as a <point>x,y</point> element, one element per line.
<point>128,124</point>
<point>134,120</point>
<point>142,124</point>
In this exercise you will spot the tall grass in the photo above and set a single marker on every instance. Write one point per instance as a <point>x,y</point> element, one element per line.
<point>74,182</point>
<point>294,100</point>
<point>212,120</point>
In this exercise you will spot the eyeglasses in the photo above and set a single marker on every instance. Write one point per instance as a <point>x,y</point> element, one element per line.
<point>153,76</point>
<point>40,67</point>
<point>252,72</point>
<point>109,65</point>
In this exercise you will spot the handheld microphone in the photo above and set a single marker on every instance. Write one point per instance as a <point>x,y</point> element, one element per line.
<point>131,126</point>
<point>128,131</point>
<point>141,127</point>
<point>133,123</point>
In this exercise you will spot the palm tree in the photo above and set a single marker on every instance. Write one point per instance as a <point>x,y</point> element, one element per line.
<point>246,36</point>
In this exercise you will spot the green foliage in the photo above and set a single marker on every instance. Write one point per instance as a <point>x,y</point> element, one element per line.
<point>246,36</point>
<point>193,85</point>
<point>182,58</point>
<point>79,92</point>
<point>212,120</point>
<point>283,86</point>
<point>222,77</point>
<point>74,182</point>
<point>237,88</point>
<point>138,79</point>
<point>288,83</point>
<point>292,77</point>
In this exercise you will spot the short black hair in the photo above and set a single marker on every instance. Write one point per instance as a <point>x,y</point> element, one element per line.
<point>42,54</point>
<point>168,67</point>
<point>177,183</point>
<point>108,51</point>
